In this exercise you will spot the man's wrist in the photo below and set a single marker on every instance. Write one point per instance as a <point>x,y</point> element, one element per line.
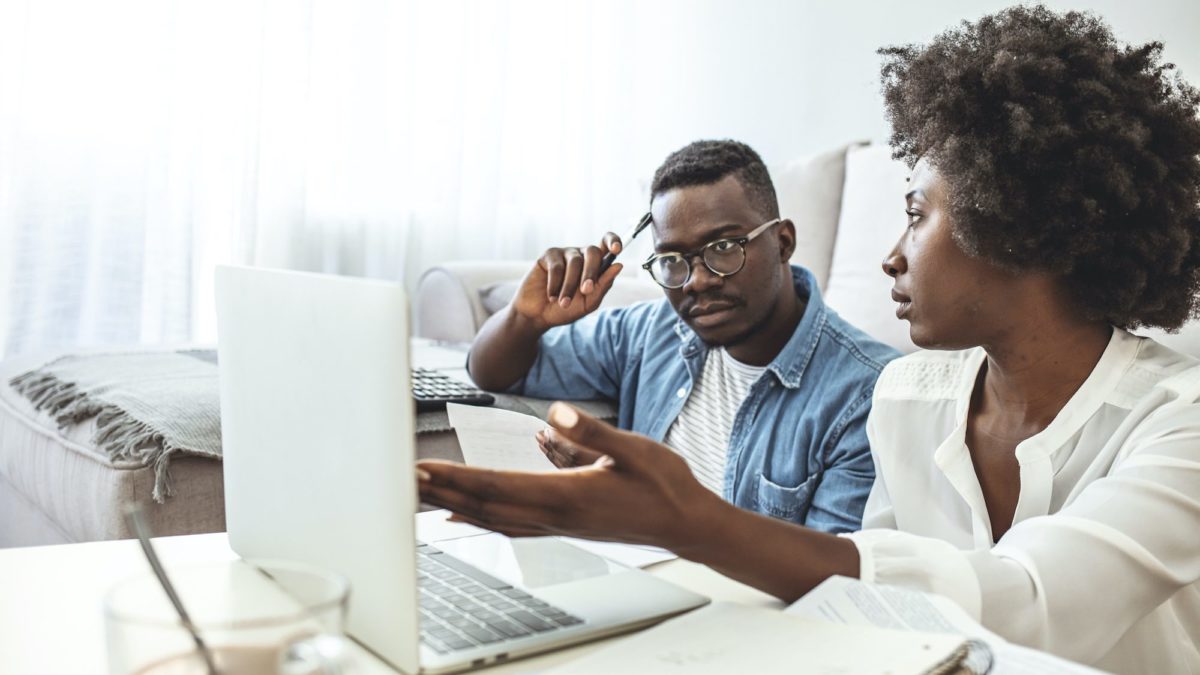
<point>524,325</point>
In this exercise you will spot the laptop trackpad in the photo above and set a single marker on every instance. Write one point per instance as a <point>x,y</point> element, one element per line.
<point>529,563</point>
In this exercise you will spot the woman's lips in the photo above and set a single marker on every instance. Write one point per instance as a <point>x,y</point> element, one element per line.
<point>904,303</point>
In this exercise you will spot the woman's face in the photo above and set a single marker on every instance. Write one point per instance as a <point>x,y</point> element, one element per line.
<point>950,300</point>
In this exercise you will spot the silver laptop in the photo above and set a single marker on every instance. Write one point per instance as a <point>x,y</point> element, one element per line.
<point>318,425</point>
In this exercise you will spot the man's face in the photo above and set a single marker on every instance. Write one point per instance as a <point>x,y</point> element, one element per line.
<point>722,310</point>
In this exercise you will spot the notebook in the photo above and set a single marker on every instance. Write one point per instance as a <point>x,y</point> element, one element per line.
<point>729,638</point>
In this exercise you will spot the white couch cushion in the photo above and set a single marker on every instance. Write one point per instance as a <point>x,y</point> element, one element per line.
<point>872,219</point>
<point>810,194</point>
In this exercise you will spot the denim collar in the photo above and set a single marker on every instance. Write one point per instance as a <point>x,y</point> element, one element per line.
<point>789,365</point>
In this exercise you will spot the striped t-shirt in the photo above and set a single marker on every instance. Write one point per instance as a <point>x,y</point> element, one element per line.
<point>701,432</point>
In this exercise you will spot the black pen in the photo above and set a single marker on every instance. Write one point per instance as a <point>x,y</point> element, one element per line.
<point>608,259</point>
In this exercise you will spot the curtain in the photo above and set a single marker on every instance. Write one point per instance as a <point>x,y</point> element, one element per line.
<point>142,143</point>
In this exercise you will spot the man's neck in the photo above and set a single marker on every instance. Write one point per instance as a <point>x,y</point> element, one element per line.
<point>769,338</point>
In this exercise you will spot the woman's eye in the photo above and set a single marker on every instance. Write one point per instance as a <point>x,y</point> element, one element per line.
<point>913,217</point>
<point>723,246</point>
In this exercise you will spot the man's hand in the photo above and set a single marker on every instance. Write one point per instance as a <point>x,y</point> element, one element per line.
<point>565,284</point>
<point>637,491</point>
<point>563,454</point>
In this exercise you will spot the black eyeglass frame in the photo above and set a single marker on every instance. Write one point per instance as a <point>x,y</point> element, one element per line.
<point>699,253</point>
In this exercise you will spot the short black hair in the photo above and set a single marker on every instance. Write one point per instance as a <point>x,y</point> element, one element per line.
<point>706,162</point>
<point>1064,151</point>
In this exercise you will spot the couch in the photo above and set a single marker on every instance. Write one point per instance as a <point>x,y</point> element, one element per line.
<point>847,206</point>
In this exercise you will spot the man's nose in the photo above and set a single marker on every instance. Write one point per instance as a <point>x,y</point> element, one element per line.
<point>702,278</point>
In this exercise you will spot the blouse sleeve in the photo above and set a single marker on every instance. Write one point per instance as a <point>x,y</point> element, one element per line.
<point>1123,546</point>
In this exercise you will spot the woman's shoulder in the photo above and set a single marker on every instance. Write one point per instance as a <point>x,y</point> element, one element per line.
<point>1157,367</point>
<point>928,375</point>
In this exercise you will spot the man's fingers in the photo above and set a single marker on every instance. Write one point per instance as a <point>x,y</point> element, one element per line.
<point>591,266</point>
<point>554,262</point>
<point>612,242</point>
<point>570,454</point>
<point>554,453</point>
<point>571,276</point>
<point>581,429</point>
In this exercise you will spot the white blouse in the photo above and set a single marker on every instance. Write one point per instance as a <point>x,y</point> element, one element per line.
<point>1102,563</point>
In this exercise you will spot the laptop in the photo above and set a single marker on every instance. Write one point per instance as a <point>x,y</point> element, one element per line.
<point>318,423</point>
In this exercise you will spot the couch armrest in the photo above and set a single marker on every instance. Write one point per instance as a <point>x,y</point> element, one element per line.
<point>448,305</point>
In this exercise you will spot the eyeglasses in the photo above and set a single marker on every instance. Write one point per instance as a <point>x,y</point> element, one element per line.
<point>723,257</point>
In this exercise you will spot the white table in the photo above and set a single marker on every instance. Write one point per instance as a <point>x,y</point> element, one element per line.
<point>51,598</point>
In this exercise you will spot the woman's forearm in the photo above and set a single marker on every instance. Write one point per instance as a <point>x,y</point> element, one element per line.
<point>775,556</point>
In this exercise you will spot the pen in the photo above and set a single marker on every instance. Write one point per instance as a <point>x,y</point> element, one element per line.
<point>608,259</point>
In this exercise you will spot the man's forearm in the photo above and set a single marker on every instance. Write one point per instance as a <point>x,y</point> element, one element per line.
<point>504,350</point>
<point>775,556</point>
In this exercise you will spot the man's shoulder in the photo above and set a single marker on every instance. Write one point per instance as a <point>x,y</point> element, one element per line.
<point>841,338</point>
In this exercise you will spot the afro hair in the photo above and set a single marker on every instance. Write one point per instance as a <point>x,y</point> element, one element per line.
<point>1064,152</point>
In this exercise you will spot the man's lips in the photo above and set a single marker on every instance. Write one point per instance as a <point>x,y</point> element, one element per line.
<point>709,308</point>
<point>707,313</point>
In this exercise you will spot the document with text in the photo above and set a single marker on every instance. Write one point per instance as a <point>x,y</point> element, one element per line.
<point>855,602</point>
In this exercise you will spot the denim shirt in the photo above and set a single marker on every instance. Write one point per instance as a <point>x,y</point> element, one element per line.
<point>798,448</point>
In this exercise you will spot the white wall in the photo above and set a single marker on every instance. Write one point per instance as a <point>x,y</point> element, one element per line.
<point>795,77</point>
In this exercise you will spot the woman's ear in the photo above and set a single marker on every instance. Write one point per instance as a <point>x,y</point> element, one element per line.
<point>787,240</point>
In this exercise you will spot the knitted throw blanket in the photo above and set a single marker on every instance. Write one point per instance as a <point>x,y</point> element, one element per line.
<point>148,406</point>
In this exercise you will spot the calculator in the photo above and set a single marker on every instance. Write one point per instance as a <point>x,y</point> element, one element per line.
<point>432,390</point>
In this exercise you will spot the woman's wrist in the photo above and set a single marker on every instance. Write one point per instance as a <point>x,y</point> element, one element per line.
<point>699,536</point>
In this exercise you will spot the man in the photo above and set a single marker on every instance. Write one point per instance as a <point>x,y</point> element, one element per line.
<point>742,369</point>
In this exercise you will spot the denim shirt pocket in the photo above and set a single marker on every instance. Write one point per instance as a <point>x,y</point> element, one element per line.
<point>786,503</point>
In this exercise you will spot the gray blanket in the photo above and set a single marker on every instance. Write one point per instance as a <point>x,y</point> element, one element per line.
<point>148,406</point>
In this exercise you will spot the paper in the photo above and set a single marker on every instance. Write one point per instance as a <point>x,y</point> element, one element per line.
<point>498,439</point>
<point>855,602</point>
<point>630,555</point>
<point>727,638</point>
<point>433,527</point>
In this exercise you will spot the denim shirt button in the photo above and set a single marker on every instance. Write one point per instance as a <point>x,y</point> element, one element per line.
<point>682,392</point>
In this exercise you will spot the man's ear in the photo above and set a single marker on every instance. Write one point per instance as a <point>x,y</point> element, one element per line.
<point>787,239</point>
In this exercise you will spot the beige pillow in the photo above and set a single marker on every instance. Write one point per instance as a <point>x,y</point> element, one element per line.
<point>872,219</point>
<point>810,194</point>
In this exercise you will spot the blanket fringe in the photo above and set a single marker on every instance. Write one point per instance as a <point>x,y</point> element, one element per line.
<point>120,436</point>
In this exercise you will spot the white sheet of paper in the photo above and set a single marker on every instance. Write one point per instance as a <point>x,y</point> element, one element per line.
<point>498,439</point>
<point>851,601</point>
<point>631,555</point>
<point>728,638</point>
<point>433,527</point>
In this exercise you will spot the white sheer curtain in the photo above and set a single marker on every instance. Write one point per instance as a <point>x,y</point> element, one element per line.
<point>144,142</point>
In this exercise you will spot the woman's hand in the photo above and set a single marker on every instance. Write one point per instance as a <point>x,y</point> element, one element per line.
<point>635,490</point>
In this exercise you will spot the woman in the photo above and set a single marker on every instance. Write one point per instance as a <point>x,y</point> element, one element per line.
<point>1039,464</point>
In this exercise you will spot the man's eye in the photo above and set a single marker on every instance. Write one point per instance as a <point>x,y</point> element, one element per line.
<point>670,259</point>
<point>723,246</point>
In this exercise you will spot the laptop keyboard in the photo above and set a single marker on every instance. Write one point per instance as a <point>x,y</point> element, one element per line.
<point>462,607</point>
